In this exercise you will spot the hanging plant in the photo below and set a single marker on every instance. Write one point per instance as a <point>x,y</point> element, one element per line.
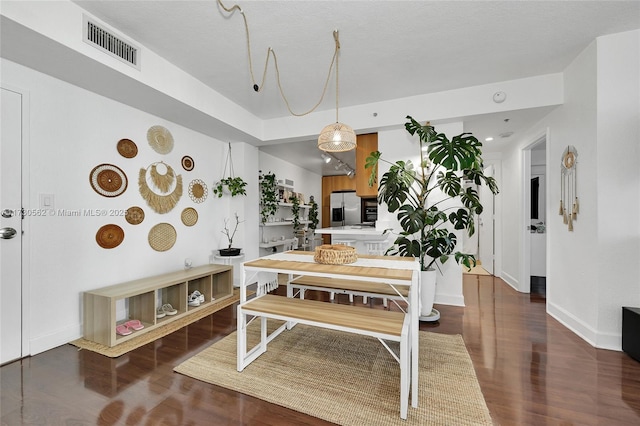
<point>235,185</point>
<point>268,196</point>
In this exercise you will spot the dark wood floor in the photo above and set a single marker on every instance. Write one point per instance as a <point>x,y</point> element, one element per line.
<point>532,371</point>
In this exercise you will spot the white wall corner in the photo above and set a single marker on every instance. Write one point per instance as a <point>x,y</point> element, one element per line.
<point>573,323</point>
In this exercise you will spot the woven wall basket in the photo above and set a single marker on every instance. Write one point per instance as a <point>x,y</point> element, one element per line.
<point>162,237</point>
<point>336,254</point>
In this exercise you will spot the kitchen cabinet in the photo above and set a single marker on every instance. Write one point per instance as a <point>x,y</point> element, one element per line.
<point>366,144</point>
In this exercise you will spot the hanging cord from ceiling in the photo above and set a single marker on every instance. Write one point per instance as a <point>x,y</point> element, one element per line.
<point>270,52</point>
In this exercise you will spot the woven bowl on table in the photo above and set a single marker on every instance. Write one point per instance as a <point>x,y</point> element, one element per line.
<point>335,254</point>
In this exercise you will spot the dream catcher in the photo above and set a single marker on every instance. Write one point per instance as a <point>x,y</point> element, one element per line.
<point>160,187</point>
<point>569,205</point>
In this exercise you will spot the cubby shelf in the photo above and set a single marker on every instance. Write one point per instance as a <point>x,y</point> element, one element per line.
<point>215,282</point>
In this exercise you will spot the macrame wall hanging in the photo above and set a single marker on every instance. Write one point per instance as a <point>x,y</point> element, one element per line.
<point>160,187</point>
<point>569,205</point>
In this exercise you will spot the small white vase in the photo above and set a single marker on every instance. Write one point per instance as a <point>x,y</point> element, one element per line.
<point>428,296</point>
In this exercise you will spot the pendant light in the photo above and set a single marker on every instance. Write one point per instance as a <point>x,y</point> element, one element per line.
<point>337,137</point>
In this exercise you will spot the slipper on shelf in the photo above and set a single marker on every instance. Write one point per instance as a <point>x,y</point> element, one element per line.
<point>134,324</point>
<point>168,309</point>
<point>160,313</point>
<point>123,330</point>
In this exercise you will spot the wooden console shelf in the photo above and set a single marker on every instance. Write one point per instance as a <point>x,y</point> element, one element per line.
<point>140,299</point>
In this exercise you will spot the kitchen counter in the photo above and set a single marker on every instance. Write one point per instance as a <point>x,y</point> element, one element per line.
<point>351,230</point>
<point>360,237</point>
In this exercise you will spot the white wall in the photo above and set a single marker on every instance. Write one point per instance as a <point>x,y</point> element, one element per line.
<point>593,271</point>
<point>618,183</point>
<point>73,130</point>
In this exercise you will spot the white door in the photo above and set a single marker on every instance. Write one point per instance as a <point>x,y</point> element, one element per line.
<point>10,226</point>
<point>485,225</point>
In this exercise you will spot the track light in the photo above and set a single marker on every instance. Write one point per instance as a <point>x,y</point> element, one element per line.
<point>326,158</point>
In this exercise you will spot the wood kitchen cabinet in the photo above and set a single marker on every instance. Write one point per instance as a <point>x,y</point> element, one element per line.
<point>366,144</point>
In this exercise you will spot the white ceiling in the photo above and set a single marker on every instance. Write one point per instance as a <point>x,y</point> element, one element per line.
<point>389,49</point>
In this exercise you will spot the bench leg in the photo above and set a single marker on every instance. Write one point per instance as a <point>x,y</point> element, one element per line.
<point>241,337</point>
<point>405,374</point>
<point>247,357</point>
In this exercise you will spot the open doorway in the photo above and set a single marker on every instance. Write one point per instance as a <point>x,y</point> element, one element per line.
<point>535,215</point>
<point>482,244</point>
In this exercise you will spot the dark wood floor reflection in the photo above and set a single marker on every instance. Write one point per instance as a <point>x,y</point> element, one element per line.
<point>532,371</point>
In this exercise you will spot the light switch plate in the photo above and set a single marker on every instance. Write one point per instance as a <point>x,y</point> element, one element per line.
<point>47,201</point>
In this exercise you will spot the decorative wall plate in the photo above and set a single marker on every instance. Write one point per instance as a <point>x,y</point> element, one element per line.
<point>127,148</point>
<point>189,216</point>
<point>162,237</point>
<point>109,236</point>
<point>198,191</point>
<point>135,215</point>
<point>160,202</point>
<point>108,180</point>
<point>160,139</point>
<point>187,163</point>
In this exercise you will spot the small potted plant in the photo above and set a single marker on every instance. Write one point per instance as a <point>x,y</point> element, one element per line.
<point>234,185</point>
<point>230,250</point>
<point>419,196</point>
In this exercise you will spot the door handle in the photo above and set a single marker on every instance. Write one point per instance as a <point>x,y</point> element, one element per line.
<point>7,233</point>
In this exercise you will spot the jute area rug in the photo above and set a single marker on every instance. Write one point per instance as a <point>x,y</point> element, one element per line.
<point>157,333</point>
<point>348,379</point>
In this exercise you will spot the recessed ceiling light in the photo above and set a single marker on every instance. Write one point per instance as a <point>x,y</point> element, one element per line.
<point>489,139</point>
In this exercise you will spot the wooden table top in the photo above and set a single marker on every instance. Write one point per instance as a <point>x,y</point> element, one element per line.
<point>348,269</point>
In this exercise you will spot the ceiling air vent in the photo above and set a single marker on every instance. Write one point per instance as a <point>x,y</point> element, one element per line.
<point>106,41</point>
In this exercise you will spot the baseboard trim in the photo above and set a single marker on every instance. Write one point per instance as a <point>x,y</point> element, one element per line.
<point>609,341</point>
<point>449,299</point>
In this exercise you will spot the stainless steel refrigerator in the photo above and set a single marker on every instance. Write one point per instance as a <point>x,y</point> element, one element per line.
<point>345,209</point>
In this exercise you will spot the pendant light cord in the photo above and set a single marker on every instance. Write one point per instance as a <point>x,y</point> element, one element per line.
<point>270,51</point>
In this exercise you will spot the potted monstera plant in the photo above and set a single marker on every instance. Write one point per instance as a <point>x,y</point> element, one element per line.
<point>421,195</point>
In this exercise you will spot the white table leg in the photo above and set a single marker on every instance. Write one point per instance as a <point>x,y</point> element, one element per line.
<point>414,297</point>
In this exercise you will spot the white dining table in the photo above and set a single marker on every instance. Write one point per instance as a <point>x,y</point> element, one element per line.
<point>391,270</point>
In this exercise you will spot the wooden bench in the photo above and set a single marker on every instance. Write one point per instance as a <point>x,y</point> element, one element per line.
<point>381,324</point>
<point>351,287</point>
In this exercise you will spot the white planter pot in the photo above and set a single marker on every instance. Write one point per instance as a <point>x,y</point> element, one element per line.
<point>428,295</point>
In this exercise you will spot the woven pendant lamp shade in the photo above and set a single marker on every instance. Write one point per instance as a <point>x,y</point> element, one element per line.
<point>337,137</point>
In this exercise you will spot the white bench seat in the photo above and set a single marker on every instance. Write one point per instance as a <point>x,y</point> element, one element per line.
<point>382,324</point>
<point>350,287</point>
